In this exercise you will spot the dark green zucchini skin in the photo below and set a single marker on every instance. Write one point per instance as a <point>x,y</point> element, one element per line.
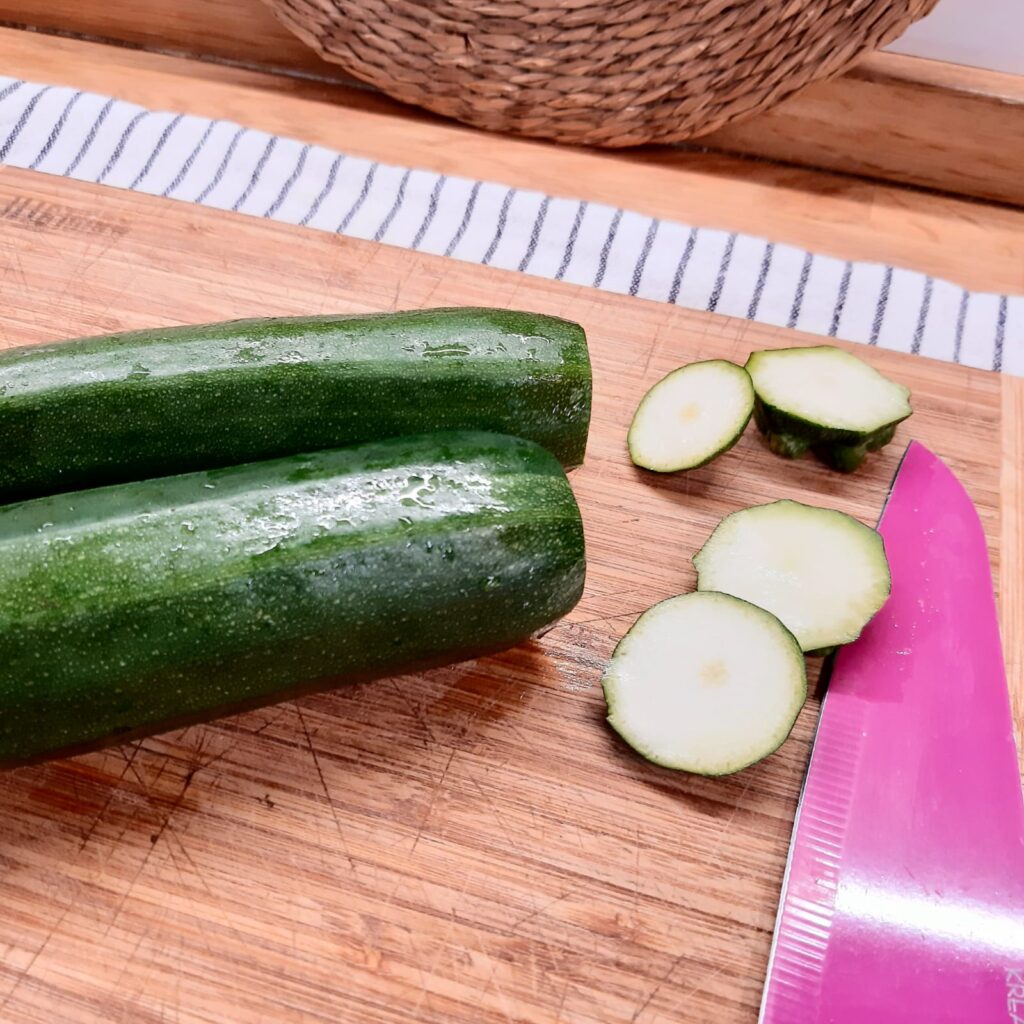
<point>127,609</point>
<point>95,411</point>
<point>791,437</point>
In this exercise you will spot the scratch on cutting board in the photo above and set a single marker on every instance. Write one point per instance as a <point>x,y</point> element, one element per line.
<point>561,1002</point>
<point>651,353</point>
<point>492,981</point>
<point>17,268</point>
<point>414,959</point>
<point>164,762</point>
<point>35,956</point>
<point>608,618</point>
<point>390,898</point>
<point>540,910</point>
<point>483,710</point>
<point>188,856</point>
<point>445,943</point>
<point>176,803</point>
<point>417,710</point>
<point>129,960</point>
<point>165,826</point>
<point>514,729</point>
<point>636,884</point>
<point>723,832</point>
<point>112,791</point>
<point>699,986</point>
<point>154,839</point>
<point>433,800</point>
<point>428,298</point>
<point>327,793</point>
<point>207,733</point>
<point>494,813</point>
<point>657,988</point>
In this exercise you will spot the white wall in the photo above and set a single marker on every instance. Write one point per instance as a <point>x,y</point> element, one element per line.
<point>982,33</point>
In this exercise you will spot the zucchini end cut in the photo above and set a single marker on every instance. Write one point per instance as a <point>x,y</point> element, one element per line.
<point>827,401</point>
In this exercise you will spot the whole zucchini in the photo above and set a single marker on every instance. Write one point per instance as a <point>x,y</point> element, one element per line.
<point>95,411</point>
<point>130,609</point>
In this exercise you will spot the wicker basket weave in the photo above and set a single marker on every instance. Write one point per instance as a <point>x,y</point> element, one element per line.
<point>601,72</point>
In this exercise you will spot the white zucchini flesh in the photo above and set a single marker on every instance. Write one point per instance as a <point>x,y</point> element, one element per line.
<point>827,387</point>
<point>820,571</point>
<point>690,416</point>
<point>705,683</point>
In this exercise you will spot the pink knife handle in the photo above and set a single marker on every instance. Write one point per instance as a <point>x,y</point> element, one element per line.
<point>904,898</point>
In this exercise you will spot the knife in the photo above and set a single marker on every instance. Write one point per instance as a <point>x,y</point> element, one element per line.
<point>903,899</point>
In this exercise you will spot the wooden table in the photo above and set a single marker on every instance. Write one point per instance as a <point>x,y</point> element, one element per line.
<point>470,845</point>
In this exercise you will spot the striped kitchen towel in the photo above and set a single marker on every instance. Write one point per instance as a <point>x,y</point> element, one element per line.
<point>94,138</point>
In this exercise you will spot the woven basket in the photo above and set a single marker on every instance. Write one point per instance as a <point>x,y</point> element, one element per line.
<point>606,73</point>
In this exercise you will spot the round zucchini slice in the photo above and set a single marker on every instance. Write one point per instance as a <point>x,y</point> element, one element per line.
<point>705,683</point>
<point>691,416</point>
<point>823,573</point>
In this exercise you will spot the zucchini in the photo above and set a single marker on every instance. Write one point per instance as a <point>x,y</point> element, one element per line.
<point>827,401</point>
<point>95,411</point>
<point>691,416</point>
<point>823,573</point>
<point>705,683</point>
<point>131,609</point>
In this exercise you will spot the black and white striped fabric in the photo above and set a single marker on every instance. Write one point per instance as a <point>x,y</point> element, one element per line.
<point>220,164</point>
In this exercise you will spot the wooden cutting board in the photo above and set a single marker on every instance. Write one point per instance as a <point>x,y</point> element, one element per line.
<point>468,845</point>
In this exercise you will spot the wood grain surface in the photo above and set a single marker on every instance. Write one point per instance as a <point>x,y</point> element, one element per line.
<point>920,122</point>
<point>978,245</point>
<point>467,845</point>
<point>917,121</point>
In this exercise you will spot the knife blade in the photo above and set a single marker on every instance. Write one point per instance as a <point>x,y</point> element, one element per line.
<point>903,899</point>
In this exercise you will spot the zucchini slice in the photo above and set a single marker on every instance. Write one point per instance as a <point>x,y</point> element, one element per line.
<point>823,573</point>
<point>691,416</point>
<point>827,401</point>
<point>705,683</point>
